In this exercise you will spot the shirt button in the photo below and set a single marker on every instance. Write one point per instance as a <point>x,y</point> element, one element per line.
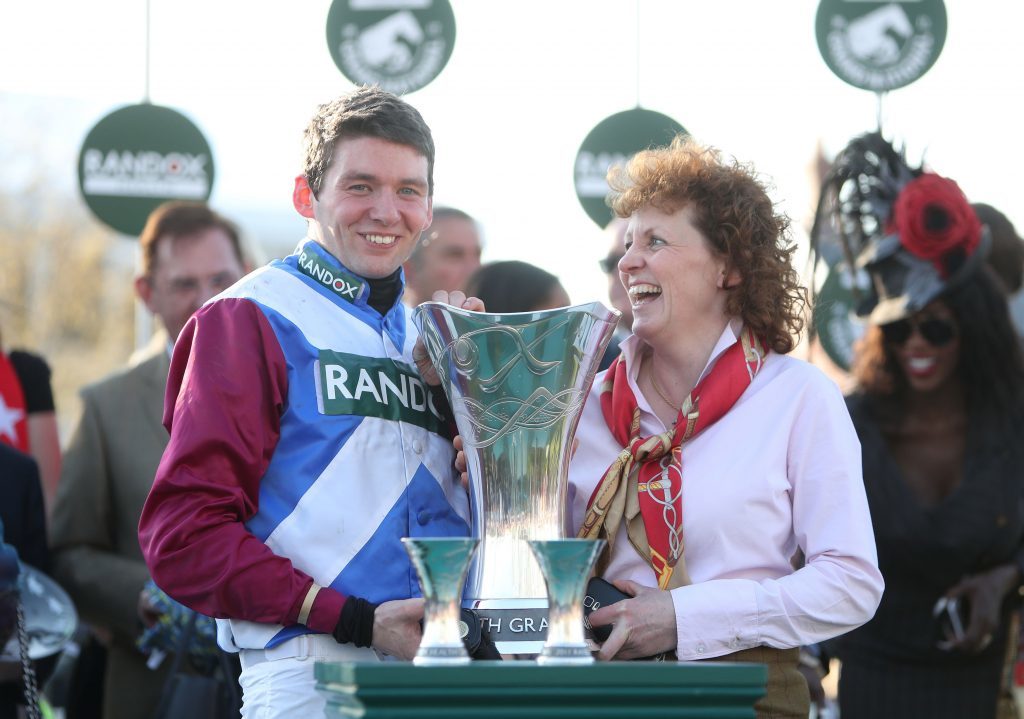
<point>701,648</point>
<point>417,446</point>
<point>423,517</point>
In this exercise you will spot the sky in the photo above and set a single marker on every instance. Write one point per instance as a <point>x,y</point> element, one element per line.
<point>526,82</point>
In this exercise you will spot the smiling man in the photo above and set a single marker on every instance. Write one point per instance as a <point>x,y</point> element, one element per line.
<point>304,444</point>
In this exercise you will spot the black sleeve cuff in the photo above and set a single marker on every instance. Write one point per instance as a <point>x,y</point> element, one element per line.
<point>355,625</point>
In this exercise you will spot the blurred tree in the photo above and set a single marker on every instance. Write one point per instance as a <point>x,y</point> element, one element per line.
<point>65,288</point>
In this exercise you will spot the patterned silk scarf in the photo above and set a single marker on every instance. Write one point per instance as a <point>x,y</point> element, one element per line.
<point>643,486</point>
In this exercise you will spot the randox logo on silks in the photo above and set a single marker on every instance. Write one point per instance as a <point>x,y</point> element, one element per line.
<point>346,286</point>
<point>880,45</point>
<point>401,45</point>
<point>374,387</point>
<point>138,157</point>
<point>612,142</point>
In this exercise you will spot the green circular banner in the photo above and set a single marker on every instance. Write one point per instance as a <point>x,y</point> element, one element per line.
<point>612,142</point>
<point>138,157</point>
<point>835,318</point>
<point>880,45</point>
<point>401,45</point>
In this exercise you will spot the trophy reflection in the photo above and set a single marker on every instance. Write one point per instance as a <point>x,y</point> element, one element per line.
<point>516,383</point>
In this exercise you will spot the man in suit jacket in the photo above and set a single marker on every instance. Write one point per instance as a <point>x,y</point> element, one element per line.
<point>189,254</point>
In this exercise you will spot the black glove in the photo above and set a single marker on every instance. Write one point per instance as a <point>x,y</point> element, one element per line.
<point>478,644</point>
<point>355,625</point>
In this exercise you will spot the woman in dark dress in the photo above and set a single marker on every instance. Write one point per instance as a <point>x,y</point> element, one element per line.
<point>938,410</point>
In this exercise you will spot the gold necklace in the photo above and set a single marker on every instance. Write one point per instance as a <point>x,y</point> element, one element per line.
<point>654,383</point>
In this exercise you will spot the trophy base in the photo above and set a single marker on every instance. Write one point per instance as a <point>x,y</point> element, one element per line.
<point>516,626</point>
<point>572,654</point>
<point>444,655</point>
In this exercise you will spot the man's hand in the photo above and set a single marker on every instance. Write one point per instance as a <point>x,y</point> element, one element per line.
<point>461,465</point>
<point>641,627</point>
<point>419,352</point>
<point>396,628</point>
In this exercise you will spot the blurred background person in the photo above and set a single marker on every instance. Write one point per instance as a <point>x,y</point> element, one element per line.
<point>23,528</point>
<point>514,286</point>
<point>28,421</point>
<point>938,407</point>
<point>189,254</point>
<point>447,254</point>
<point>615,232</point>
<point>707,455</point>
<point>1006,258</point>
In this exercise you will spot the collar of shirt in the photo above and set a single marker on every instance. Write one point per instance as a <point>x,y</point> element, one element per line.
<point>347,289</point>
<point>633,348</point>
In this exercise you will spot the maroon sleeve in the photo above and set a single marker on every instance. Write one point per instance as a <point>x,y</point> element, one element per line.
<point>226,391</point>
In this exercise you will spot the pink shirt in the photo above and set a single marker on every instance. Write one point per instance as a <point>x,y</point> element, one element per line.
<point>780,471</point>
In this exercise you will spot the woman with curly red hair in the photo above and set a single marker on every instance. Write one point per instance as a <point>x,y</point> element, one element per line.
<point>938,409</point>
<point>707,455</point>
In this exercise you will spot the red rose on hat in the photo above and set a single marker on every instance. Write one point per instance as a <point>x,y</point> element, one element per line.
<point>932,217</point>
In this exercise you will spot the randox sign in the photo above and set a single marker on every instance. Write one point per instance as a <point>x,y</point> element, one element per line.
<point>880,45</point>
<point>401,45</point>
<point>612,142</point>
<point>138,157</point>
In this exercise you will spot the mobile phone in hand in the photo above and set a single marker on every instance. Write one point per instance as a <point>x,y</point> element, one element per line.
<point>951,615</point>
<point>600,593</point>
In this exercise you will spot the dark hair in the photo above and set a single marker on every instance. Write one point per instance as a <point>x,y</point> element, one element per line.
<point>990,367</point>
<point>1006,257</point>
<point>440,213</point>
<point>179,218</point>
<point>732,210</point>
<point>511,286</point>
<point>364,112</point>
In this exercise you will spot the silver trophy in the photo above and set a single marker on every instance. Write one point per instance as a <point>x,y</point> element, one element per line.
<point>441,563</point>
<point>516,384</point>
<point>566,564</point>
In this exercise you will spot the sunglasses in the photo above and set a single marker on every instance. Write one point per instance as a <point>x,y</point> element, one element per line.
<point>936,332</point>
<point>610,263</point>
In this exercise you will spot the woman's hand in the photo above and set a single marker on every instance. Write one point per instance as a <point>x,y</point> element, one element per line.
<point>984,594</point>
<point>641,627</point>
<point>419,352</point>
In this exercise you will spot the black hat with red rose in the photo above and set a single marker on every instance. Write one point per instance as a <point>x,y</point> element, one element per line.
<point>913,232</point>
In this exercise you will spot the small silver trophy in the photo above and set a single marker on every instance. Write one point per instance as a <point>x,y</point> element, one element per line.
<point>441,563</point>
<point>566,564</point>
<point>517,383</point>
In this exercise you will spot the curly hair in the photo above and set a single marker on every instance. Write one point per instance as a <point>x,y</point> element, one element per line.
<point>734,213</point>
<point>990,366</point>
<point>364,112</point>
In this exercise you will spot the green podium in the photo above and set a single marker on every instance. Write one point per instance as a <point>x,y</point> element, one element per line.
<point>522,690</point>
